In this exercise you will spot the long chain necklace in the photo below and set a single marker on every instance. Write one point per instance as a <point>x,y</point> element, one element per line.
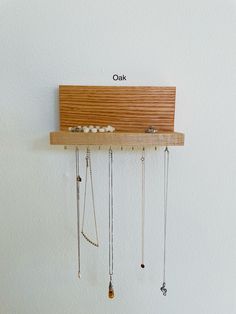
<point>143,208</point>
<point>166,172</point>
<point>78,180</point>
<point>89,169</point>
<point>111,293</point>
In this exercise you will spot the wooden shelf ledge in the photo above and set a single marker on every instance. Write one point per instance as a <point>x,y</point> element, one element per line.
<point>117,138</point>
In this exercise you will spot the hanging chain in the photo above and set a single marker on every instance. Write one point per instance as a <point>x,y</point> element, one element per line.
<point>166,173</point>
<point>89,168</point>
<point>78,180</point>
<point>111,222</point>
<point>143,209</point>
<point>110,212</point>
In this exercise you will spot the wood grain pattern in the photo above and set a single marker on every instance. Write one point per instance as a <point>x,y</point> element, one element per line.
<point>127,108</point>
<point>119,138</point>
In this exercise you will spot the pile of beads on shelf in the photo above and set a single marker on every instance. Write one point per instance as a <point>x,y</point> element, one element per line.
<point>92,129</point>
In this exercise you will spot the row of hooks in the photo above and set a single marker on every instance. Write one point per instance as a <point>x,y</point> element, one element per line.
<point>121,147</point>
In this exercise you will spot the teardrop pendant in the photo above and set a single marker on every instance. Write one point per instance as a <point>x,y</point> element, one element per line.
<point>111,293</point>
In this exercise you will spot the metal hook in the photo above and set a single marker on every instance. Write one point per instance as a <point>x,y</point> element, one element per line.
<point>143,157</point>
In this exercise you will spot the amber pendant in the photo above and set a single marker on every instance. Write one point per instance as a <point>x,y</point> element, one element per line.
<point>111,293</point>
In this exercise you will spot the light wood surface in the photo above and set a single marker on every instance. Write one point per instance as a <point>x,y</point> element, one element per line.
<point>127,108</point>
<point>119,138</point>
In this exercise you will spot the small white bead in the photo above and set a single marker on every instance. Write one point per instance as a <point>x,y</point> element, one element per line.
<point>112,129</point>
<point>97,127</point>
<point>94,130</point>
<point>85,127</point>
<point>102,130</point>
<point>91,127</point>
<point>70,128</point>
<point>86,130</point>
<point>109,127</point>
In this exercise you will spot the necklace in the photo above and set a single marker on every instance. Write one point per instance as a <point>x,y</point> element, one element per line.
<point>166,172</point>
<point>78,180</point>
<point>111,293</point>
<point>89,169</point>
<point>143,208</point>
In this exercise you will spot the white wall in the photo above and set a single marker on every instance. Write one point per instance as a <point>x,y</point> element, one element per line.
<point>189,44</point>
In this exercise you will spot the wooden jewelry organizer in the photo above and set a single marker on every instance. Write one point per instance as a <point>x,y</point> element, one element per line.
<point>130,109</point>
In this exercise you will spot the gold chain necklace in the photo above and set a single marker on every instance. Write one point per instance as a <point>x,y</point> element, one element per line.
<point>89,169</point>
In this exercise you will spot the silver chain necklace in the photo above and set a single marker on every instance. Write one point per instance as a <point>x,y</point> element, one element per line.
<point>89,169</point>
<point>111,293</point>
<point>78,180</point>
<point>166,172</point>
<point>143,209</point>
